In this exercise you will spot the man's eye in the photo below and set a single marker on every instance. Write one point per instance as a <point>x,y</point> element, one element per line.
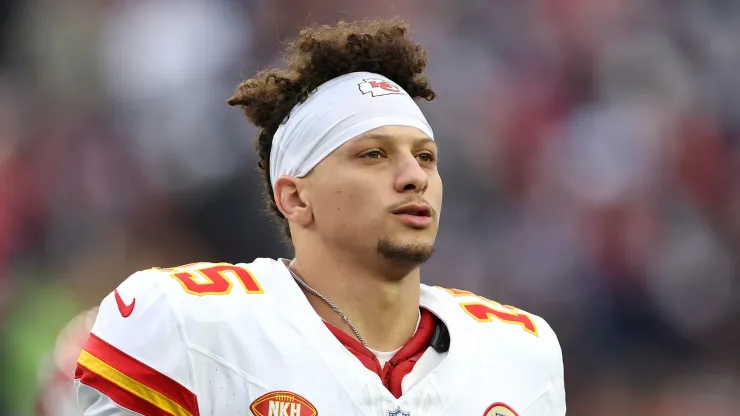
<point>426,157</point>
<point>373,154</point>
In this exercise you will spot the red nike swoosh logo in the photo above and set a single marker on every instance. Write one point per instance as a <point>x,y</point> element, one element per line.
<point>122,307</point>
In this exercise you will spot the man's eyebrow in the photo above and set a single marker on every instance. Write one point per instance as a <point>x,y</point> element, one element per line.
<point>419,140</point>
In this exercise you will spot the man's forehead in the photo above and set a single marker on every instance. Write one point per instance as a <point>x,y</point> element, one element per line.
<point>414,137</point>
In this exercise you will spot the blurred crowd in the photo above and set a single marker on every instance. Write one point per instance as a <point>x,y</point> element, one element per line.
<point>590,152</point>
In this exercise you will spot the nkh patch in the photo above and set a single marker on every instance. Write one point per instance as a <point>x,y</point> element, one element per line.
<point>282,403</point>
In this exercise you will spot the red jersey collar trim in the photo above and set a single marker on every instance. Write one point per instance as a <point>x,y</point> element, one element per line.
<point>418,342</point>
<point>402,362</point>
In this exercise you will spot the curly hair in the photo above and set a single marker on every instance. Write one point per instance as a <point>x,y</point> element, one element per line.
<point>320,54</point>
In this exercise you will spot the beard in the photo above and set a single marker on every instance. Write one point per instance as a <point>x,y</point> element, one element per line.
<point>409,255</point>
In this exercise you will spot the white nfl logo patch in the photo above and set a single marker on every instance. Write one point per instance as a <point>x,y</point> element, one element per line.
<point>379,87</point>
<point>398,412</point>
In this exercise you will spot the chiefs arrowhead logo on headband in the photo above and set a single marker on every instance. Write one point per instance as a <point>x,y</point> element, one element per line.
<point>377,87</point>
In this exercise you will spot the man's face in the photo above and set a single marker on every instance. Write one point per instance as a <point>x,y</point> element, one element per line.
<point>379,192</point>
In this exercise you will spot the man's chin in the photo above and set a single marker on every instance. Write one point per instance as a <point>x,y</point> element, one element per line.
<point>412,253</point>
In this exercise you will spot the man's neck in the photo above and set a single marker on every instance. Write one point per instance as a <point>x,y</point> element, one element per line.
<point>384,311</point>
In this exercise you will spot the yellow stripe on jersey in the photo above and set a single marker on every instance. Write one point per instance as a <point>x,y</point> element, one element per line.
<point>127,383</point>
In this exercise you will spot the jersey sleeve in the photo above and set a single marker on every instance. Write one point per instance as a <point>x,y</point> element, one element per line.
<point>557,376</point>
<point>135,361</point>
<point>552,401</point>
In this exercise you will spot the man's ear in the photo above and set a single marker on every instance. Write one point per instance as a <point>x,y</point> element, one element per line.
<point>291,199</point>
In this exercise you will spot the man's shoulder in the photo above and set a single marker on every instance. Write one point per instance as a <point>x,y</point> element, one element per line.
<point>203,281</point>
<point>203,292</point>
<point>518,347</point>
<point>196,301</point>
<point>487,321</point>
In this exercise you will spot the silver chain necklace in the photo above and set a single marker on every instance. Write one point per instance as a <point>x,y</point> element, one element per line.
<point>331,304</point>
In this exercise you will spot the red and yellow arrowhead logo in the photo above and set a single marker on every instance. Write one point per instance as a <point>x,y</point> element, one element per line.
<point>282,403</point>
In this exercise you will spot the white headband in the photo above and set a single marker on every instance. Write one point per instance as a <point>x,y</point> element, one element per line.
<point>338,111</point>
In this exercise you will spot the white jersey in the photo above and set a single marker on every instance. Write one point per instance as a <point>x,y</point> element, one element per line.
<point>220,339</point>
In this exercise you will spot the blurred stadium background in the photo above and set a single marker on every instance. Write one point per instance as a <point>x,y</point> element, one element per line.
<point>590,151</point>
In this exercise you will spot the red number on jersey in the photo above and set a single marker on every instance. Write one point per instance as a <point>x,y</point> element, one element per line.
<point>483,311</point>
<point>210,279</point>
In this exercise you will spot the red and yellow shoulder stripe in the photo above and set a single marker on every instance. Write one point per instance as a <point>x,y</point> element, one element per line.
<point>131,383</point>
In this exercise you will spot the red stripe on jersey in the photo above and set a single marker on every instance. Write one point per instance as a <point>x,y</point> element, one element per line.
<point>142,373</point>
<point>122,397</point>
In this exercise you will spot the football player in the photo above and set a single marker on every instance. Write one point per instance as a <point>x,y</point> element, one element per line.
<point>345,326</point>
